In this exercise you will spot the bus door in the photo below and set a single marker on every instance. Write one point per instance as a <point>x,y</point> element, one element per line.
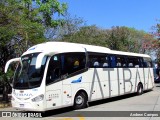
<point>66,85</point>
<point>54,83</point>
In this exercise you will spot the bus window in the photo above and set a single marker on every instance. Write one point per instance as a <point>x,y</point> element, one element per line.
<point>121,61</point>
<point>133,62</point>
<point>147,62</point>
<point>98,60</point>
<point>72,62</point>
<point>105,63</point>
<point>53,73</point>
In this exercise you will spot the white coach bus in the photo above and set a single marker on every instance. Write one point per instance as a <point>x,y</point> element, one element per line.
<point>58,74</point>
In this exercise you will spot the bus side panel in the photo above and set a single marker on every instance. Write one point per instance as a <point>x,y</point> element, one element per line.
<point>137,77</point>
<point>54,95</point>
<point>149,78</point>
<point>148,74</point>
<point>73,84</point>
<point>152,79</point>
<point>100,84</point>
<point>105,89</point>
<point>120,80</point>
<point>146,78</point>
<point>66,95</point>
<point>101,81</point>
<point>140,77</point>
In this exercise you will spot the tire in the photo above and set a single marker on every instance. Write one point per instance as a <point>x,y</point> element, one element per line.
<point>80,100</point>
<point>140,89</point>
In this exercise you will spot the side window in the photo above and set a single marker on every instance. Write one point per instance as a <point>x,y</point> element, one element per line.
<point>133,62</point>
<point>98,60</point>
<point>147,62</point>
<point>72,62</point>
<point>54,68</point>
<point>121,61</point>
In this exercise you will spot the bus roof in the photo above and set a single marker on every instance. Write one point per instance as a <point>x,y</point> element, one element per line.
<point>63,47</point>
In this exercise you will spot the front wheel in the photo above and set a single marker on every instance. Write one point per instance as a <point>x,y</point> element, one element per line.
<point>80,100</point>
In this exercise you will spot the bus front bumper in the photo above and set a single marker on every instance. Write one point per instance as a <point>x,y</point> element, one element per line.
<point>28,106</point>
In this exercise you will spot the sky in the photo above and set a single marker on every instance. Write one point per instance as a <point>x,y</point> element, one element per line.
<point>138,14</point>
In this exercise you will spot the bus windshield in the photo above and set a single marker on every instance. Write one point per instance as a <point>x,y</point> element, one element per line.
<point>26,75</point>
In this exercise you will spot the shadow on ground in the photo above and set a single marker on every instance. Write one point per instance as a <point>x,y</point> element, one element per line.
<point>157,84</point>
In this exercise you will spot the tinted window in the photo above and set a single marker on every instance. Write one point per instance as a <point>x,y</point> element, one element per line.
<point>26,75</point>
<point>54,69</point>
<point>64,65</point>
<point>72,62</point>
<point>147,62</point>
<point>98,60</point>
<point>133,61</point>
<point>121,61</point>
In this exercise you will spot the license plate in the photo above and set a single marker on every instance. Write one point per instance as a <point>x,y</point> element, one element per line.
<point>21,105</point>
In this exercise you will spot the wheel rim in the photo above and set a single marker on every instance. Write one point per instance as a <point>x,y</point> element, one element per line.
<point>79,100</point>
<point>140,90</point>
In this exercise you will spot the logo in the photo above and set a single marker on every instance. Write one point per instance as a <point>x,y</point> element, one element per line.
<point>22,94</point>
<point>78,80</point>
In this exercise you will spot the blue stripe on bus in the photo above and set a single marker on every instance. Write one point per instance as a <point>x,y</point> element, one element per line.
<point>78,80</point>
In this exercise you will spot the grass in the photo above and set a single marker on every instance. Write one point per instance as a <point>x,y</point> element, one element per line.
<point>4,105</point>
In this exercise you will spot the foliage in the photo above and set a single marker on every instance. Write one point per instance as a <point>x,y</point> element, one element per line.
<point>22,24</point>
<point>49,8</point>
<point>116,38</point>
<point>71,25</point>
<point>86,35</point>
<point>156,43</point>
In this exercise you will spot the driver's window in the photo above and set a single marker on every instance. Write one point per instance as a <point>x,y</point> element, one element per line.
<point>53,73</point>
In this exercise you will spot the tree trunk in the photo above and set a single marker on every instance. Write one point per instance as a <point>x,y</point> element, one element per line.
<point>5,94</point>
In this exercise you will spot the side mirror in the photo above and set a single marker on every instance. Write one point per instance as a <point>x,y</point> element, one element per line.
<point>39,60</point>
<point>9,62</point>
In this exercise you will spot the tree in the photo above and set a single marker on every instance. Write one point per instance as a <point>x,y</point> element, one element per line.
<point>116,38</point>
<point>71,25</point>
<point>51,12</point>
<point>156,43</point>
<point>22,25</point>
<point>11,28</point>
<point>87,35</point>
<point>119,38</point>
<point>126,39</point>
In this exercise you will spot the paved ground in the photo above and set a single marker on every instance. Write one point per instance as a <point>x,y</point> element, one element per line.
<point>119,108</point>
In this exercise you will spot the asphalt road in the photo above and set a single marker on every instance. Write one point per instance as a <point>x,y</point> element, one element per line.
<point>128,107</point>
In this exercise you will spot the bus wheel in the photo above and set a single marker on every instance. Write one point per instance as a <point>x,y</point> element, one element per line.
<point>80,100</point>
<point>140,89</point>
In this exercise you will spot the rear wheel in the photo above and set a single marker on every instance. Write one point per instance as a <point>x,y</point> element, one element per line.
<point>140,89</point>
<point>80,100</point>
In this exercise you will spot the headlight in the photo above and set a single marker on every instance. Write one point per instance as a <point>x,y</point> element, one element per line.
<point>38,98</point>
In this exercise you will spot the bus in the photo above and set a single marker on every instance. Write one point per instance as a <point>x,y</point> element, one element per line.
<point>53,75</point>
